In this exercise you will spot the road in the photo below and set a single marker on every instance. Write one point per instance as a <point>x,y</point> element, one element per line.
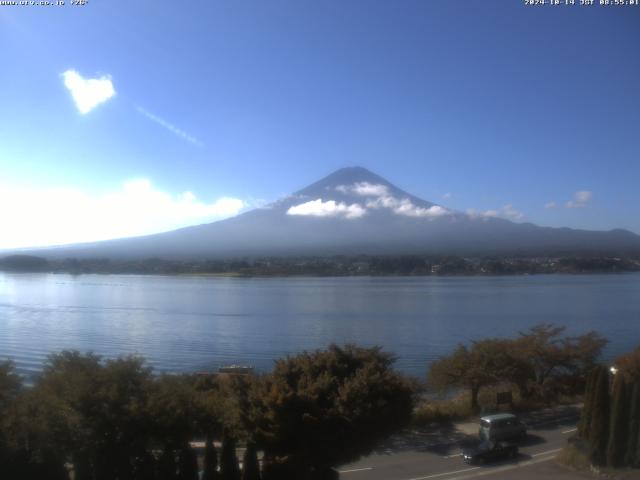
<point>435,453</point>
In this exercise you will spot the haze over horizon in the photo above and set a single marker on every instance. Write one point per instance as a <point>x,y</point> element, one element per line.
<point>130,123</point>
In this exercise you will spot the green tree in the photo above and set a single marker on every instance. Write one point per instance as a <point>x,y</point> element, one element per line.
<point>144,467</point>
<point>599,428</point>
<point>229,469</point>
<point>10,385</point>
<point>174,410</point>
<point>210,460</point>
<point>250,466</point>
<point>587,409</point>
<point>25,449</point>
<point>187,463</point>
<point>91,413</point>
<point>634,424</point>
<point>167,467</point>
<point>618,425</point>
<point>325,408</point>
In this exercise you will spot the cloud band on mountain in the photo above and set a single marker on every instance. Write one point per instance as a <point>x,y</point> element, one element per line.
<point>330,208</point>
<point>378,197</point>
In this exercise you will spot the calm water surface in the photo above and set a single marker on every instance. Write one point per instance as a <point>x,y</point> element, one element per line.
<point>196,323</point>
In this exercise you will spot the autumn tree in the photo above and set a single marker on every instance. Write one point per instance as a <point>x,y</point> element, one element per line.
<point>321,409</point>
<point>629,365</point>
<point>549,353</point>
<point>485,362</point>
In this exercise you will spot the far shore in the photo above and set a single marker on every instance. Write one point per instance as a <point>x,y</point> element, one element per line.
<point>332,266</point>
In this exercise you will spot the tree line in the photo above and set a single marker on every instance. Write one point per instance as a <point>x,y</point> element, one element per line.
<point>610,424</point>
<point>89,418</point>
<point>541,363</point>
<point>338,265</point>
<point>97,419</point>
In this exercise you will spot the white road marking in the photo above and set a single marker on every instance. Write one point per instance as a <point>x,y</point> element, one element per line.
<point>445,473</point>
<point>493,470</point>
<point>504,468</point>
<point>546,453</point>
<point>451,456</point>
<point>570,430</point>
<point>353,470</point>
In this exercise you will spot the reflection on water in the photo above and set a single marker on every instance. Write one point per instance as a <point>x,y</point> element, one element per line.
<point>195,323</point>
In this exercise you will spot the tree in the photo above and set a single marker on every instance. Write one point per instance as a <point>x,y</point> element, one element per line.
<point>174,410</point>
<point>229,469</point>
<point>10,388</point>
<point>144,467</point>
<point>210,460</point>
<point>629,365</point>
<point>56,412</point>
<point>587,409</point>
<point>187,463</point>
<point>618,423</point>
<point>167,468</point>
<point>634,424</point>
<point>90,412</point>
<point>250,466</point>
<point>487,362</point>
<point>24,451</point>
<point>549,354</point>
<point>325,408</point>
<point>10,385</point>
<point>599,428</point>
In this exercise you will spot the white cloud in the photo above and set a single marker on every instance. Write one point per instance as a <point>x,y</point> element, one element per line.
<point>56,216</point>
<point>507,211</point>
<point>472,212</point>
<point>364,189</point>
<point>383,199</point>
<point>406,207</point>
<point>330,208</point>
<point>550,205</point>
<point>511,213</point>
<point>447,196</point>
<point>172,128</point>
<point>580,199</point>
<point>88,93</point>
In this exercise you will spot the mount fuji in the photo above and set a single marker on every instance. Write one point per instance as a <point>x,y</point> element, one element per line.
<point>354,211</point>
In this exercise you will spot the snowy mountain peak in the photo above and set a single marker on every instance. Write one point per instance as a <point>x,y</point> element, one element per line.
<point>355,192</point>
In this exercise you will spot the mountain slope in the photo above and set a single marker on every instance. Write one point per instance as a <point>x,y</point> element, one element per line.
<point>354,211</point>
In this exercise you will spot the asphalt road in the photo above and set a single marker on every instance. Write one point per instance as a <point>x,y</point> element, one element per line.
<point>435,453</point>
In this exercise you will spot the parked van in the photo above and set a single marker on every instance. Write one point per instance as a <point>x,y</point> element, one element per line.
<point>501,426</point>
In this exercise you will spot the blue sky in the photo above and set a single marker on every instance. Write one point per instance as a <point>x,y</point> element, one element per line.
<point>218,106</point>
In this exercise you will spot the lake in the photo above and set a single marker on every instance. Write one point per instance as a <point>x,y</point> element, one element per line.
<point>183,323</point>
